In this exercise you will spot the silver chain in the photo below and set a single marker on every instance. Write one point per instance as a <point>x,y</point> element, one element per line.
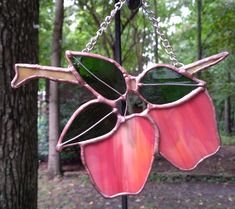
<point>103,26</point>
<point>164,41</point>
<point>151,16</point>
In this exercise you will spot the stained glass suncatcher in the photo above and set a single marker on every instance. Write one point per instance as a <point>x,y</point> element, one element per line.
<point>118,149</point>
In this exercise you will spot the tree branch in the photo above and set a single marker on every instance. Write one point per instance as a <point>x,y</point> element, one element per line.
<point>133,14</point>
<point>105,40</point>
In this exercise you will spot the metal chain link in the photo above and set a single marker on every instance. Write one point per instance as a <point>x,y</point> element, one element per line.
<point>151,16</point>
<point>164,41</point>
<point>103,26</point>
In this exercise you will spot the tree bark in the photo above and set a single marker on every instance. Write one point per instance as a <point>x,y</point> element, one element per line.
<point>227,117</point>
<point>199,29</point>
<point>227,111</point>
<point>155,33</point>
<point>18,107</point>
<point>53,158</point>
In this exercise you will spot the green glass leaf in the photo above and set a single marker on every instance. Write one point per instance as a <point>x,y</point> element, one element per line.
<point>102,75</point>
<point>93,121</point>
<point>163,85</point>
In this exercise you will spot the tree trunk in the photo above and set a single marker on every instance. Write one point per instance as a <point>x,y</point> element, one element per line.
<point>227,118</point>
<point>155,33</point>
<point>18,107</point>
<point>227,111</point>
<point>199,29</point>
<point>53,158</point>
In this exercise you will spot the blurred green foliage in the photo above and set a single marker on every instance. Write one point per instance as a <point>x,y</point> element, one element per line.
<point>42,129</point>
<point>228,140</point>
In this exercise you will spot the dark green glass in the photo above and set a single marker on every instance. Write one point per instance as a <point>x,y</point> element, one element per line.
<point>167,86</point>
<point>87,118</point>
<point>101,75</point>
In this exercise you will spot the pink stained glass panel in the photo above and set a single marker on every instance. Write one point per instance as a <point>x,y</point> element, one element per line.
<point>188,132</point>
<point>121,163</point>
